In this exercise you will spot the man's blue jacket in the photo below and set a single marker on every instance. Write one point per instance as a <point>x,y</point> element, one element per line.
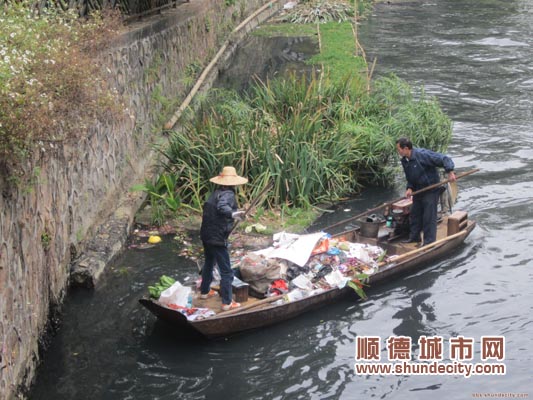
<point>421,169</point>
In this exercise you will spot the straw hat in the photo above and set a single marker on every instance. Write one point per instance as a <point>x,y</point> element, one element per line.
<point>229,177</point>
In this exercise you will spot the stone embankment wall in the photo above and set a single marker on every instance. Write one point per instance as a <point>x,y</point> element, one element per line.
<point>76,212</point>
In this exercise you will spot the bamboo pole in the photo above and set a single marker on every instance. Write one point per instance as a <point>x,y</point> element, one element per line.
<point>170,124</point>
<point>401,198</point>
<point>354,28</point>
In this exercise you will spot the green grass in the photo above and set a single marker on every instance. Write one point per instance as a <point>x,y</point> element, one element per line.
<point>338,52</point>
<point>316,139</point>
<point>285,30</point>
<point>338,46</point>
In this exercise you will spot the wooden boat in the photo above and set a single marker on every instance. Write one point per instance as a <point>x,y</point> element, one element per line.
<point>255,313</point>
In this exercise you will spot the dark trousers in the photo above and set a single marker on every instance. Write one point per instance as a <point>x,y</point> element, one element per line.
<point>424,216</point>
<point>220,256</point>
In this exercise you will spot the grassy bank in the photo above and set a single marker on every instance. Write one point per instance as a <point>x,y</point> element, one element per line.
<point>317,139</point>
<point>339,54</point>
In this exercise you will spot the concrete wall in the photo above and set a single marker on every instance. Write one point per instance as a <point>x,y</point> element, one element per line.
<point>76,213</point>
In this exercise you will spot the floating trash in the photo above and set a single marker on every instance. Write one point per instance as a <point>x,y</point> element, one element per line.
<point>154,239</point>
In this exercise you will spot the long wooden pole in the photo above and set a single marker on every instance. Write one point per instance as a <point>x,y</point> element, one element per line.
<point>401,198</point>
<point>255,304</point>
<point>170,124</point>
<point>423,248</point>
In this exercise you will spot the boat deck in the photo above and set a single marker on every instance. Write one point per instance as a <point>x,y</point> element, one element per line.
<point>215,303</point>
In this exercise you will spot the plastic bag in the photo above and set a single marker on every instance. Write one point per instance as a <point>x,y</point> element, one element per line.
<point>335,278</point>
<point>321,247</point>
<point>260,272</point>
<point>302,282</point>
<point>176,294</point>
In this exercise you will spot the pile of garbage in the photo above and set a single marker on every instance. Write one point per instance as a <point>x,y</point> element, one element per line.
<point>328,263</point>
<point>295,267</point>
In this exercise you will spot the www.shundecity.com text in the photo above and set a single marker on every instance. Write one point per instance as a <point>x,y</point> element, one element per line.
<point>430,356</point>
<point>434,368</point>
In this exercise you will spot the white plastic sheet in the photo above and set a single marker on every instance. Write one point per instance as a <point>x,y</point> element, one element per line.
<point>290,5</point>
<point>336,278</point>
<point>292,247</point>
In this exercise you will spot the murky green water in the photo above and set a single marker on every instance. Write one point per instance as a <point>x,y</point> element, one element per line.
<point>476,57</point>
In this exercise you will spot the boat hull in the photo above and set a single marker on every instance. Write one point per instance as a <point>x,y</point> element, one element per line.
<point>269,314</point>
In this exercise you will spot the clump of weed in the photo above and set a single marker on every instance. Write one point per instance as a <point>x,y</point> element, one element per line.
<point>52,86</point>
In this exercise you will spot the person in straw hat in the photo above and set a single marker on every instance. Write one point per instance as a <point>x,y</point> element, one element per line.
<point>219,213</point>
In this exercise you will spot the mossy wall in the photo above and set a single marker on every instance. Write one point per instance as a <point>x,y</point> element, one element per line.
<point>59,218</point>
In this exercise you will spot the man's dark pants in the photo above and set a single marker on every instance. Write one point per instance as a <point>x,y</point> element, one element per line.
<point>424,216</point>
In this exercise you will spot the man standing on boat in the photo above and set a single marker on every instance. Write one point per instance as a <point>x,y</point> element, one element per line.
<point>219,213</point>
<point>420,167</point>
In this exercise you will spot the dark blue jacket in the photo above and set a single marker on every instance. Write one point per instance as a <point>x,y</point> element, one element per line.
<point>217,220</point>
<point>421,169</point>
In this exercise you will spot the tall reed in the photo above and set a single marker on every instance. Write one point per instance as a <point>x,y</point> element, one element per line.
<point>316,140</point>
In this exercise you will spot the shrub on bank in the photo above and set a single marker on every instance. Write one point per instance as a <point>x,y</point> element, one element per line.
<point>316,140</point>
<point>51,84</point>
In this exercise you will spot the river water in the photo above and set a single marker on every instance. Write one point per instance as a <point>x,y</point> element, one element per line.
<point>476,57</point>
